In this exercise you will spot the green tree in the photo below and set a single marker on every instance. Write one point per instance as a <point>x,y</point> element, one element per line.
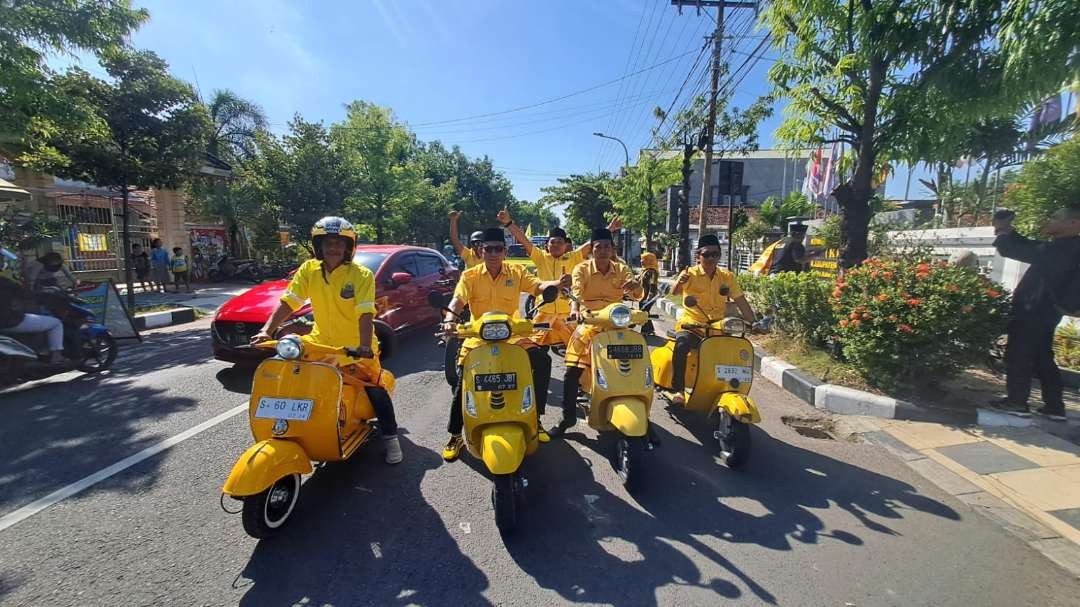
<point>31,106</point>
<point>637,194</point>
<point>480,191</point>
<point>795,205</point>
<point>1046,184</point>
<point>887,78</point>
<point>587,202</point>
<point>237,122</point>
<point>152,130</point>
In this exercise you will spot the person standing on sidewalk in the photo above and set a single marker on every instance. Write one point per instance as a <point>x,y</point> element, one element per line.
<point>159,265</point>
<point>1036,313</point>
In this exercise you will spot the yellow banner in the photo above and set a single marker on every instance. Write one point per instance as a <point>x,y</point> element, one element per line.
<point>93,242</point>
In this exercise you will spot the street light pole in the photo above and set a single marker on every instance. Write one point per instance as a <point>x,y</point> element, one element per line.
<point>626,167</point>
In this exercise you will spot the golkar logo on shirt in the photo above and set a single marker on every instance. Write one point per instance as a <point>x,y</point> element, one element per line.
<point>347,292</point>
<point>510,282</point>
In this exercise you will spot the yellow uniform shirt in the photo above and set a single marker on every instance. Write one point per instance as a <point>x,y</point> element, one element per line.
<point>484,293</point>
<point>596,290</point>
<point>707,292</point>
<point>549,267</point>
<point>649,262</point>
<point>470,258</point>
<point>338,300</point>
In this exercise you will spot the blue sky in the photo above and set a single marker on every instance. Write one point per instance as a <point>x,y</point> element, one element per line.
<point>438,61</point>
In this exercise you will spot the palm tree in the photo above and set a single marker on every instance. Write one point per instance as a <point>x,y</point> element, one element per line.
<point>236,123</point>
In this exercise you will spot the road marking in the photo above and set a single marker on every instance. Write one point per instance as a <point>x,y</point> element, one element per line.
<point>13,518</point>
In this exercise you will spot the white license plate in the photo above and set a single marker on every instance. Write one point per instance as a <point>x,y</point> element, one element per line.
<point>728,373</point>
<point>284,408</point>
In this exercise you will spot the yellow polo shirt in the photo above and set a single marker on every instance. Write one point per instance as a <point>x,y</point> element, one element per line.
<point>470,258</point>
<point>596,290</point>
<point>707,292</point>
<point>486,293</point>
<point>338,300</point>
<point>549,267</point>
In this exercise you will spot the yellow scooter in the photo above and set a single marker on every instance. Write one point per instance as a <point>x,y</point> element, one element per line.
<point>499,402</point>
<point>618,385</point>
<point>302,410</point>
<point>718,378</point>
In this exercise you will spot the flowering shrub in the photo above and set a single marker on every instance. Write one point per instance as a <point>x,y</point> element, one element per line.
<point>908,321</point>
<point>799,304</point>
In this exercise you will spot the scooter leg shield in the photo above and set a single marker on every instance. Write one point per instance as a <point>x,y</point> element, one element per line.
<point>263,464</point>
<point>740,406</point>
<point>629,416</point>
<point>502,447</point>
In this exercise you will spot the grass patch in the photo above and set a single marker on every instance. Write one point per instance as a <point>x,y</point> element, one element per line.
<point>814,361</point>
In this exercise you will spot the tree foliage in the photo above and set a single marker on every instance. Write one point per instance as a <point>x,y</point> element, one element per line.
<point>796,204</point>
<point>587,201</point>
<point>637,195</point>
<point>1046,184</point>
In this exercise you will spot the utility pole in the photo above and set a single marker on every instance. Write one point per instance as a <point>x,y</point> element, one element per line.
<point>710,126</point>
<point>684,205</point>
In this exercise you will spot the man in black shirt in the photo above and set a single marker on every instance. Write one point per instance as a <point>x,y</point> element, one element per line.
<point>1030,351</point>
<point>790,255</point>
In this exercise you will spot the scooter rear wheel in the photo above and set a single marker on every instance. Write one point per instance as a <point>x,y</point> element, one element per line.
<point>733,439</point>
<point>98,353</point>
<point>629,460</point>
<point>504,500</point>
<point>267,512</point>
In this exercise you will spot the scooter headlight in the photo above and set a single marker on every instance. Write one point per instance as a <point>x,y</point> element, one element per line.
<point>734,325</point>
<point>600,379</point>
<point>620,317</point>
<point>495,331</point>
<point>289,347</point>
<point>470,404</point>
<point>527,399</point>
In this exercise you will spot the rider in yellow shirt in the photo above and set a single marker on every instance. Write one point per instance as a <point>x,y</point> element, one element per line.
<point>494,286</point>
<point>556,261</point>
<point>472,256</point>
<point>342,295</point>
<point>713,287</point>
<point>597,283</point>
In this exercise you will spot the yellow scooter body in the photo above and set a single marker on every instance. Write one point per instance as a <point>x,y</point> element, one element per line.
<point>620,389</point>
<point>263,464</point>
<point>722,366</point>
<point>499,402</point>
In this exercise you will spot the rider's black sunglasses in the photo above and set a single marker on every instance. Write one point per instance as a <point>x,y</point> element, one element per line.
<point>494,248</point>
<point>709,254</point>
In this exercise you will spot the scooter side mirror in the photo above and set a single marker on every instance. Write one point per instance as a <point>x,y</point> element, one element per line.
<point>438,300</point>
<point>549,294</point>
<point>690,301</point>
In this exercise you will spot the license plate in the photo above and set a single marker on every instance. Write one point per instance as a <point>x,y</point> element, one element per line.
<point>284,408</point>
<point>495,382</point>
<point>728,373</point>
<point>625,351</point>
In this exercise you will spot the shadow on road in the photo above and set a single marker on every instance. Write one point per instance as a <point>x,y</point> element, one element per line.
<point>354,540</point>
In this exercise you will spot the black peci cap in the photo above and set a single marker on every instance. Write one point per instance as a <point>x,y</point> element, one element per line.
<point>708,240</point>
<point>557,233</point>
<point>600,234</point>
<point>495,235</point>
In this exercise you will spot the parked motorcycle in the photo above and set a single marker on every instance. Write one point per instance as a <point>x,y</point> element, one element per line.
<point>718,378</point>
<point>226,269</point>
<point>302,410</point>
<point>499,402</point>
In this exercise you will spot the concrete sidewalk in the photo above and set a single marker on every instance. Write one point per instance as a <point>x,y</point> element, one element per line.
<point>207,298</point>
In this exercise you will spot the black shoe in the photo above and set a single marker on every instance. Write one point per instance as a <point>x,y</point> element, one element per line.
<point>1055,413</point>
<point>562,428</point>
<point>1007,406</point>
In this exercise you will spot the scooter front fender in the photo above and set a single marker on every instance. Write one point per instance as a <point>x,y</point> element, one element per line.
<point>263,464</point>
<point>739,406</point>
<point>502,447</point>
<point>629,416</point>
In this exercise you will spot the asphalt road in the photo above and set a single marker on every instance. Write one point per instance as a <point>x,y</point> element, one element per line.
<point>807,522</point>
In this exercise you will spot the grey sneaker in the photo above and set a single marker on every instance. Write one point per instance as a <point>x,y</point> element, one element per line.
<point>1007,406</point>
<point>1055,413</point>
<point>393,450</point>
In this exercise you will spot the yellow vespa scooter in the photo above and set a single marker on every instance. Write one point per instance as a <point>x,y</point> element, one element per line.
<point>718,378</point>
<point>618,385</point>
<point>499,402</point>
<point>303,409</point>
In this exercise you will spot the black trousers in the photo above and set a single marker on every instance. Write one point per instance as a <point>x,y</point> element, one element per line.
<point>685,341</point>
<point>541,376</point>
<point>571,383</point>
<point>384,409</point>
<point>1030,353</point>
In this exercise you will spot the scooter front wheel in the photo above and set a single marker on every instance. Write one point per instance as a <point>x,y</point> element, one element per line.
<point>629,460</point>
<point>733,439</point>
<point>266,512</point>
<point>504,499</point>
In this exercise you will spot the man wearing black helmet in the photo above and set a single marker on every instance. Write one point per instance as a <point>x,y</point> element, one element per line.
<point>790,253</point>
<point>473,255</point>
<point>342,295</point>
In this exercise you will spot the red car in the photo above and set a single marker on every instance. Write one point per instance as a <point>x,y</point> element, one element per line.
<point>403,277</point>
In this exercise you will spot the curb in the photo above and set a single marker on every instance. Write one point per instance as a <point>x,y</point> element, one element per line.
<point>849,401</point>
<point>167,318</point>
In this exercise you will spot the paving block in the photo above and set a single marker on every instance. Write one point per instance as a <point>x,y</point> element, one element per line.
<point>1042,488</point>
<point>984,457</point>
<point>1069,515</point>
<point>1062,551</point>
<point>949,481</point>
<point>840,399</point>
<point>1034,444</point>
<point>930,436</point>
<point>896,446</point>
<point>1015,521</point>
<point>800,384</point>
<point>773,368</point>
<point>987,417</point>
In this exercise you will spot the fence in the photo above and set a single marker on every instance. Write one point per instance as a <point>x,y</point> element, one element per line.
<point>92,236</point>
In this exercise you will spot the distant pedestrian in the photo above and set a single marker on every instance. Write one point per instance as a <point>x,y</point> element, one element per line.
<point>159,265</point>
<point>140,262</point>
<point>1048,288</point>
<point>790,255</point>
<point>180,268</point>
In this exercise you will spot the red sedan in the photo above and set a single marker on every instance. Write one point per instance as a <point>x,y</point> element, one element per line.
<point>403,277</point>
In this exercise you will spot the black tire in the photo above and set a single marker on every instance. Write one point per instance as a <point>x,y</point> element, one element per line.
<point>98,353</point>
<point>387,341</point>
<point>629,460</point>
<point>265,513</point>
<point>504,500</point>
<point>732,439</point>
<point>450,353</point>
